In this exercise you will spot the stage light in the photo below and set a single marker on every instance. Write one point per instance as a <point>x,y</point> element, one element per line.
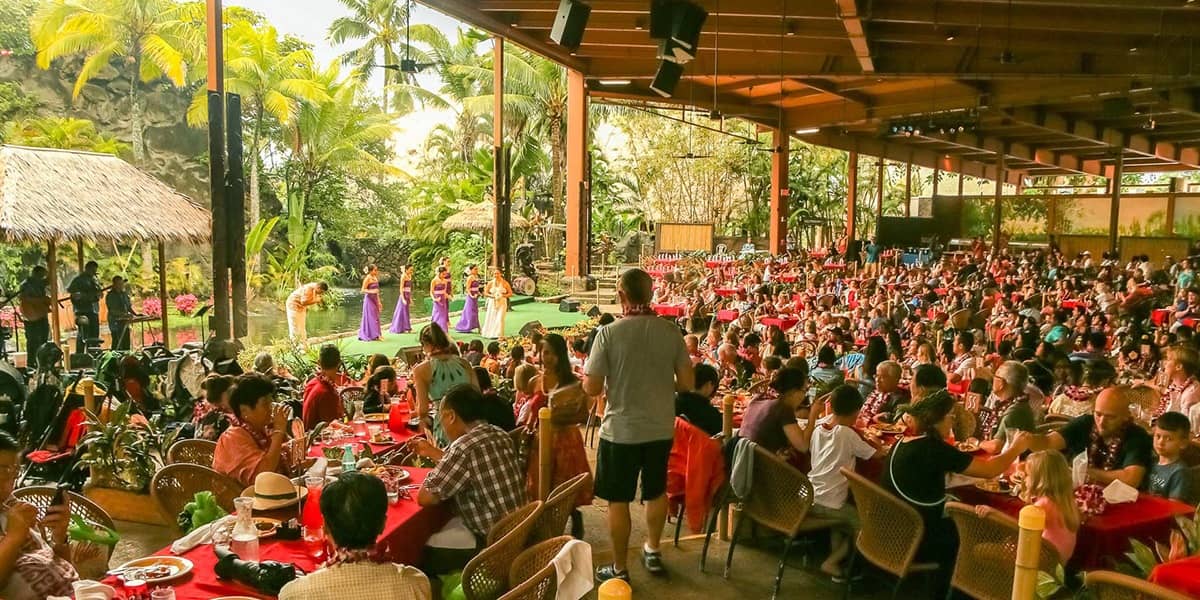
<point>808,130</point>
<point>615,82</point>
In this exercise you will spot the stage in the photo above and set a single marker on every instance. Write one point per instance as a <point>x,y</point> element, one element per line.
<point>521,313</point>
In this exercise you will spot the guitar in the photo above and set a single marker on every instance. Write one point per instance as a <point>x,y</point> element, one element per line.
<point>34,309</point>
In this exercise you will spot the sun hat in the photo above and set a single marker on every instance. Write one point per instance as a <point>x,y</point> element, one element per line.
<point>272,490</point>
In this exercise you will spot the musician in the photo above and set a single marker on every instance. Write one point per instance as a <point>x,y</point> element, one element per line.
<point>120,312</point>
<point>35,311</point>
<point>85,292</point>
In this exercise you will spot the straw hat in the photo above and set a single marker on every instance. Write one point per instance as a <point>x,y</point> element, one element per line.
<point>272,490</point>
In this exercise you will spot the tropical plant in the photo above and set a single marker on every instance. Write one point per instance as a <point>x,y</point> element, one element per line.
<point>65,133</point>
<point>125,450</point>
<point>151,39</point>
<point>381,26</point>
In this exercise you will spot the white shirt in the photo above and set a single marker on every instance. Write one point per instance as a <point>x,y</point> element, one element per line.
<point>832,449</point>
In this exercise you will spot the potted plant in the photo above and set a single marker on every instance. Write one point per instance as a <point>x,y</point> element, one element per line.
<point>122,453</point>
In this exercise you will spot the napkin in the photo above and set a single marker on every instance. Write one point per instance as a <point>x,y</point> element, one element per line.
<point>318,468</point>
<point>1119,492</point>
<point>200,535</point>
<point>573,568</point>
<point>1079,469</point>
<point>86,589</point>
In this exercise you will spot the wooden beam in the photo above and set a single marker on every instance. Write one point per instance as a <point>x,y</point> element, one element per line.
<point>831,88</point>
<point>1114,212</point>
<point>501,220</point>
<point>925,158</point>
<point>1100,136</point>
<point>577,151</point>
<point>52,278</point>
<point>162,297</point>
<point>780,194</point>
<point>469,12</point>
<point>997,207</point>
<point>849,14</point>
<point>1130,19</point>
<point>851,195</point>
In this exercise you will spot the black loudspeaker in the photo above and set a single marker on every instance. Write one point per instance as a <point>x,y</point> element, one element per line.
<point>568,305</point>
<point>411,355</point>
<point>593,312</point>
<point>569,23</point>
<point>677,23</point>
<point>666,78</point>
<point>903,231</point>
<point>529,328</point>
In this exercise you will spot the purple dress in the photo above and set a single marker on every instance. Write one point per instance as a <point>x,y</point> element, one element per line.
<point>441,306</point>
<point>401,322</point>
<point>470,315</point>
<point>369,329</point>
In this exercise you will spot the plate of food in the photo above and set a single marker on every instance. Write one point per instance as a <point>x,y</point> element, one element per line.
<point>393,477</point>
<point>968,446</point>
<point>888,427</point>
<point>153,569</point>
<point>995,486</point>
<point>266,526</point>
<point>383,437</point>
<point>377,418</point>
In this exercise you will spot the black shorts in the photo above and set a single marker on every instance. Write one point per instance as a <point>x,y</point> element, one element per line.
<point>618,466</point>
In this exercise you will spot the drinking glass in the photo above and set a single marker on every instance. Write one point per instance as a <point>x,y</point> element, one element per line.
<point>163,593</point>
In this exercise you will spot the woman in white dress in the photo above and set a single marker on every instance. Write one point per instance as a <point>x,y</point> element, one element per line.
<point>497,293</point>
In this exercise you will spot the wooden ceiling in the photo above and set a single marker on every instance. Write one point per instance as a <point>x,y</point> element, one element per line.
<point>1053,86</point>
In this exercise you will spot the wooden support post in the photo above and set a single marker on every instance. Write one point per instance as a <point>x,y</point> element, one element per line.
<point>1172,196</point>
<point>162,294</point>
<point>996,204</point>
<point>880,173</point>
<point>577,157</point>
<point>87,387</point>
<point>851,195</point>
<point>1114,211</point>
<point>501,230</point>
<point>1032,521</point>
<point>545,455</point>
<point>726,434</point>
<point>777,234</point>
<point>79,249</point>
<point>908,189</point>
<point>222,321</point>
<point>52,277</point>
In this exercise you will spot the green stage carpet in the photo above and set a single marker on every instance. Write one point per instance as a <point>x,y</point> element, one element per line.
<point>520,314</point>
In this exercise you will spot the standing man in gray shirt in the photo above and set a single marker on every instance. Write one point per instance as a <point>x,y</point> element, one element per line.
<point>640,361</point>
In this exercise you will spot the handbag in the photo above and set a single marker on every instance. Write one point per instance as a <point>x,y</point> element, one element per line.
<point>568,406</point>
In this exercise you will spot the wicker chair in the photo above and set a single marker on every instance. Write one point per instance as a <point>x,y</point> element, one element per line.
<point>891,530</point>
<point>1107,585</point>
<point>558,507</point>
<point>960,320</point>
<point>350,395</point>
<point>486,576</point>
<point>987,553</point>
<point>534,569</point>
<point>779,500</point>
<point>195,452</point>
<point>83,554</point>
<point>173,486</point>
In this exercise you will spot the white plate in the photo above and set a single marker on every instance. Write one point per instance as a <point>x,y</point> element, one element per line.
<point>179,566</point>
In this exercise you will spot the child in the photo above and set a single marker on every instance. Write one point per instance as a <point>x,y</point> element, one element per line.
<point>1048,486</point>
<point>833,445</point>
<point>1170,477</point>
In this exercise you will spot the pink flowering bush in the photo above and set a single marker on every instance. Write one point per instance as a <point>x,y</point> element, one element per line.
<point>152,307</point>
<point>8,317</point>
<point>186,303</point>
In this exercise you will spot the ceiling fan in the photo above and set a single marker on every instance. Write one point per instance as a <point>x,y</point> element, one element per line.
<point>1007,56</point>
<point>408,64</point>
<point>689,155</point>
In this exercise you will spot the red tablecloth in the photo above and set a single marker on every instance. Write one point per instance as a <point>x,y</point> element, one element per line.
<point>727,315</point>
<point>405,532</point>
<point>655,273</point>
<point>1189,322</point>
<point>670,310</point>
<point>669,262</point>
<point>317,450</point>
<point>1160,315</point>
<point>1105,537</point>
<point>834,266</point>
<point>712,264</point>
<point>1070,304</point>
<point>959,388</point>
<point>725,292</point>
<point>789,277</point>
<point>941,291</point>
<point>785,323</point>
<point>1182,576</point>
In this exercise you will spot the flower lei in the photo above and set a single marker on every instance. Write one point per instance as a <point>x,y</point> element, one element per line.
<point>875,401</point>
<point>345,556</point>
<point>1103,454</point>
<point>639,310</point>
<point>1174,392</point>
<point>990,413</point>
<point>1080,393</point>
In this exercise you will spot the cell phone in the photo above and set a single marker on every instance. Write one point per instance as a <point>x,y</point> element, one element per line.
<point>60,495</point>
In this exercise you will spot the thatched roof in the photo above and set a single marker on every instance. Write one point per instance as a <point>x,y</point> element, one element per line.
<point>480,217</point>
<point>69,195</point>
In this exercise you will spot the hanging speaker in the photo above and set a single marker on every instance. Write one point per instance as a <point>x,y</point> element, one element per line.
<point>677,24</point>
<point>569,23</point>
<point>666,78</point>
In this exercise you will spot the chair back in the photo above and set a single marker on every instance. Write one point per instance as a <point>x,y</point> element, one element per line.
<point>173,486</point>
<point>486,576</point>
<point>987,553</point>
<point>350,395</point>
<point>780,496</point>
<point>557,509</point>
<point>891,530</point>
<point>961,319</point>
<point>196,452</point>
<point>1108,585</point>
<point>532,574</point>
<point>82,553</point>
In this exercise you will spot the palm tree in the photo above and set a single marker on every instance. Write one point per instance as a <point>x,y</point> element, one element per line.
<point>65,133</point>
<point>272,83</point>
<point>154,39</point>
<point>381,25</point>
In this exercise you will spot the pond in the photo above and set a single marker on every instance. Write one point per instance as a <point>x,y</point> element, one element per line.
<point>267,320</point>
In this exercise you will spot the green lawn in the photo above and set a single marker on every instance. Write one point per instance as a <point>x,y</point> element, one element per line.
<point>521,314</point>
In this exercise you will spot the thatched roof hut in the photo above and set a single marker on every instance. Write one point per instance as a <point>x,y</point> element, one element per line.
<point>48,194</point>
<point>480,217</point>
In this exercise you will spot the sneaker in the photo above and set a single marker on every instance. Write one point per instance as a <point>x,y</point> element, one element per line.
<point>610,572</point>
<point>653,562</point>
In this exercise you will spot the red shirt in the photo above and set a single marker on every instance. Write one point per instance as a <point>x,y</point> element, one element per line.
<point>321,402</point>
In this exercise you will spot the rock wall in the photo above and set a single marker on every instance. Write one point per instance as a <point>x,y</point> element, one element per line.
<point>175,153</point>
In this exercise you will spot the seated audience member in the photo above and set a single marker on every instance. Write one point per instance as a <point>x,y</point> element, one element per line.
<point>696,405</point>
<point>375,361</point>
<point>692,343</point>
<point>256,444</point>
<point>212,416</point>
<point>1097,344</point>
<point>516,358</point>
<point>826,375</point>
<point>474,353</point>
<point>491,360</point>
<point>478,473</point>
<point>1048,486</point>
<point>770,418</point>
<point>355,508</point>
<point>835,445</point>
<point>321,401</point>
<point>1006,409</point>
<point>1116,447</point>
<point>496,410</point>
<point>1169,476</point>
<point>916,472</point>
<point>770,364</point>
<point>32,567</point>
<point>1079,400</point>
<point>881,405</point>
<point>381,386</point>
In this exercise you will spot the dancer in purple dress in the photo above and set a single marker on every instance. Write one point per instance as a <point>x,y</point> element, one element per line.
<point>401,319</point>
<point>439,293</point>
<point>369,330</point>
<point>470,315</point>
